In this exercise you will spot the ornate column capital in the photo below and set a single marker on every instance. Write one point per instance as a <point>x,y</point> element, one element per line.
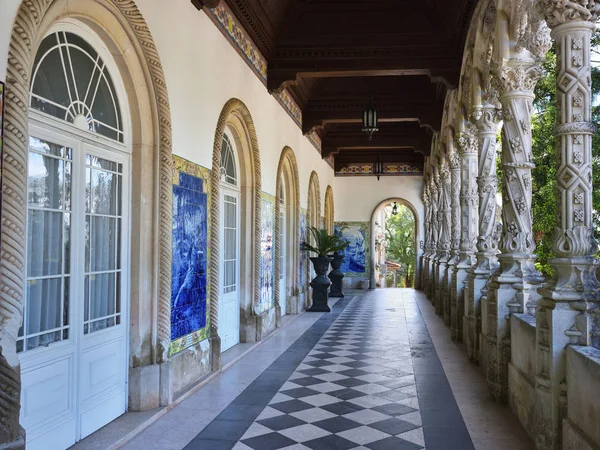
<point>467,142</point>
<point>559,12</point>
<point>487,118</point>
<point>518,77</point>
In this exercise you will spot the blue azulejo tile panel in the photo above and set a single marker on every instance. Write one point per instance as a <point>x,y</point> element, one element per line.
<point>303,257</point>
<point>190,248</point>
<point>356,261</point>
<point>266,253</point>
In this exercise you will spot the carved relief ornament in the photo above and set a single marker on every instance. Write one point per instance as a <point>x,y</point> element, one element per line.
<point>558,12</point>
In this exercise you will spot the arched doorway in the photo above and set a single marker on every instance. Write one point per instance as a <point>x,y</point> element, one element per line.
<point>395,235</point>
<point>287,231</point>
<point>76,267</point>
<point>229,308</point>
<point>235,208</point>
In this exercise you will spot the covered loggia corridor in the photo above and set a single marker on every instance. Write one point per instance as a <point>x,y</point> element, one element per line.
<point>165,163</point>
<point>379,372</point>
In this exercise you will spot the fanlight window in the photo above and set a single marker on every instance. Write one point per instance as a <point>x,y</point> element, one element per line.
<point>71,82</point>
<point>228,169</point>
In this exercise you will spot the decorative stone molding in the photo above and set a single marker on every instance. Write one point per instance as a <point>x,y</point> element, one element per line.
<point>21,53</point>
<point>558,12</point>
<point>445,238</point>
<point>237,107</point>
<point>487,119</point>
<point>329,210</point>
<point>468,145</point>
<point>517,80</point>
<point>287,161</point>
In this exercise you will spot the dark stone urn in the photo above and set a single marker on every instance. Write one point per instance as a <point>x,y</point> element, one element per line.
<point>320,284</point>
<point>336,276</point>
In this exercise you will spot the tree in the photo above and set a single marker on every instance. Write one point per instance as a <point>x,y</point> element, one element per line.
<point>400,241</point>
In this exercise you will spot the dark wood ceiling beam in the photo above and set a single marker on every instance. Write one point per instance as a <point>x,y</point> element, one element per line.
<point>427,114</point>
<point>199,4</point>
<point>410,143</point>
<point>439,70</point>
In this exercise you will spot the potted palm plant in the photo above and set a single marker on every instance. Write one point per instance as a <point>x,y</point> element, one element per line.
<point>324,245</point>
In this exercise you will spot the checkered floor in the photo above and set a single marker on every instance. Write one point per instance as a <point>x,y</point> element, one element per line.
<point>355,390</point>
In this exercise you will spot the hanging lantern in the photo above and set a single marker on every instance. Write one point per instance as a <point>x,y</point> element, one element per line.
<point>394,209</point>
<point>378,168</point>
<point>370,117</point>
<point>370,120</point>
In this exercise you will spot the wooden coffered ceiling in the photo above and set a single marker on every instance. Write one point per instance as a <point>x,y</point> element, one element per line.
<point>329,53</point>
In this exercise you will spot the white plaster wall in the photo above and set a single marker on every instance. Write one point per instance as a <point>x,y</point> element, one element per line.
<point>203,71</point>
<point>357,197</point>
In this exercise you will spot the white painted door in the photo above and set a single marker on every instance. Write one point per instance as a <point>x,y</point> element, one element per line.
<point>229,316</point>
<point>282,258</point>
<point>103,370</point>
<point>73,343</point>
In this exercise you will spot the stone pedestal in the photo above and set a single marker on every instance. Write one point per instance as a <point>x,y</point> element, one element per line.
<point>320,285</point>
<point>336,276</point>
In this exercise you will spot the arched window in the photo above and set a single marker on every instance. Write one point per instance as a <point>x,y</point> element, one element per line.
<point>71,82</point>
<point>228,169</point>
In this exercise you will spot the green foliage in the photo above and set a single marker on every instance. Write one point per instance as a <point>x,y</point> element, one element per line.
<point>401,246</point>
<point>545,199</point>
<point>325,244</point>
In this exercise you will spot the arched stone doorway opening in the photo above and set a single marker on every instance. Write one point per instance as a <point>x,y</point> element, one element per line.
<point>235,218</point>
<point>142,296</point>
<point>287,235</point>
<point>378,236</point>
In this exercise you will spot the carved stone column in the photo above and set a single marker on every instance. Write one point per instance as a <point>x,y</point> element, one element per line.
<point>568,313</point>
<point>454,311</point>
<point>513,289</point>
<point>427,227</point>
<point>487,119</point>
<point>468,146</point>
<point>444,240</point>
<point>436,221</point>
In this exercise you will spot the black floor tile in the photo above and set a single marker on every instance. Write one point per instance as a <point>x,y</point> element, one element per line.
<point>337,424</point>
<point>271,441</point>
<point>281,422</point>
<point>342,408</point>
<point>394,409</point>
<point>291,406</point>
<point>393,443</point>
<point>393,426</point>
<point>331,442</point>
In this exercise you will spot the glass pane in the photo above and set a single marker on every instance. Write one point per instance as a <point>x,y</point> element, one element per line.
<point>67,245</point>
<point>43,340</point>
<point>71,81</point>
<point>44,301</point>
<point>88,243</point>
<point>66,299</point>
<point>102,295</point>
<point>230,244</point>
<point>101,163</point>
<point>86,312</point>
<point>45,243</point>
<point>102,243</point>
<point>46,182</point>
<point>104,188</point>
<point>48,148</point>
<point>50,82</point>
